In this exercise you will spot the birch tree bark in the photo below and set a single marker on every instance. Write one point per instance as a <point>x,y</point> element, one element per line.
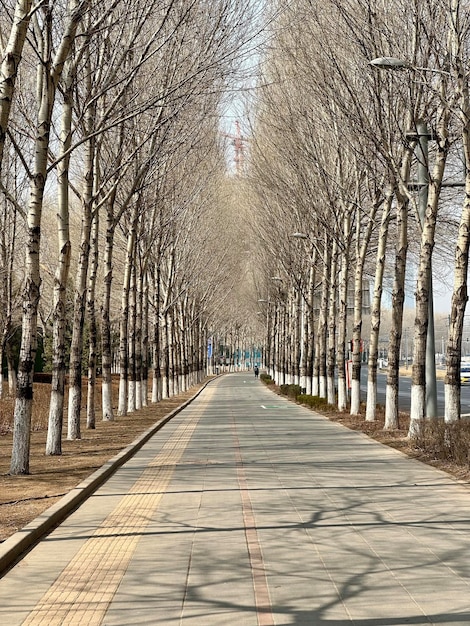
<point>322,319</point>
<point>11,59</point>
<point>124,314</point>
<point>105,319</point>
<point>8,242</point>
<point>81,283</point>
<point>376,309</point>
<point>332,321</point>
<point>59,315</point>
<point>460,289</point>
<point>418,388</point>
<point>157,385</point>
<point>132,336</point>
<point>343,315</point>
<point>50,73</point>
<point>361,253</point>
<point>92,321</point>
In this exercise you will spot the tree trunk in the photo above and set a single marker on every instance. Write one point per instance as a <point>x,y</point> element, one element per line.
<point>332,318</point>
<point>165,357</point>
<point>49,76</point>
<point>12,382</point>
<point>424,281</point>
<point>460,292</point>
<point>156,341</point>
<point>106,347</point>
<point>343,317</point>
<point>59,313</point>
<point>124,318</point>
<point>142,340</point>
<point>304,313</point>
<point>131,338</point>
<point>376,310</point>
<point>322,319</point>
<point>398,296</point>
<point>81,283</point>
<point>357,346</point>
<point>93,332</point>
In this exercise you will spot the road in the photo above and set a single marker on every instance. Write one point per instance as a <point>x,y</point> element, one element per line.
<point>246,509</point>
<point>405,392</point>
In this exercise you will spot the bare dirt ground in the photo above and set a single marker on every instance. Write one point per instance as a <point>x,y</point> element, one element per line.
<point>22,498</point>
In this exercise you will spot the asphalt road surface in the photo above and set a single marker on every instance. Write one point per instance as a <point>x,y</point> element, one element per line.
<point>405,392</point>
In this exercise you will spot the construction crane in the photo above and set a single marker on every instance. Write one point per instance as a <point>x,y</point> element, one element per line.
<point>238,142</point>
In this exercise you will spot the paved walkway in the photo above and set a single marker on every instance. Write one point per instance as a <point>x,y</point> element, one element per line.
<point>246,509</point>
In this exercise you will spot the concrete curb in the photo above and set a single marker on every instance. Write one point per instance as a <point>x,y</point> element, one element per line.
<point>15,547</point>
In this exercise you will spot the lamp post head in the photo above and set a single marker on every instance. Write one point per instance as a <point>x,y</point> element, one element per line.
<point>389,63</point>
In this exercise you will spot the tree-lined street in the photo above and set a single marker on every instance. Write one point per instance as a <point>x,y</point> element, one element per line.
<point>191,189</point>
<point>249,509</point>
<point>202,190</point>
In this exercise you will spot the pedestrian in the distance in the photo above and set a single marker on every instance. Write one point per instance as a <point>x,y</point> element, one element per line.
<point>256,371</point>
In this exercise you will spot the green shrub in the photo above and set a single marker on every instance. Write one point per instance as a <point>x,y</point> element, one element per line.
<point>290,390</point>
<point>314,402</point>
<point>266,378</point>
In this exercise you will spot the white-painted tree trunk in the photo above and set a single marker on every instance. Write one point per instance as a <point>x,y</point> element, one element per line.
<point>124,315</point>
<point>418,410</point>
<point>322,328</point>
<point>106,349</point>
<point>355,397</point>
<point>331,391</point>
<point>371,400</point>
<point>376,310</point>
<point>342,394</point>
<point>391,407</point>
<point>81,287</point>
<point>323,387</point>
<point>343,316</point>
<point>452,403</point>
<point>363,237</point>
<point>131,395</point>
<point>132,338</point>
<point>331,326</point>
<point>423,283</point>
<point>93,328</point>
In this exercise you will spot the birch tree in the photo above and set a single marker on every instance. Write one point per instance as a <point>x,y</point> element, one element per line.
<point>50,71</point>
<point>10,54</point>
<point>458,35</point>
<point>10,61</point>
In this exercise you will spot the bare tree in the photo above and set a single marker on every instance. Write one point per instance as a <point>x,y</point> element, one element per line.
<point>51,66</point>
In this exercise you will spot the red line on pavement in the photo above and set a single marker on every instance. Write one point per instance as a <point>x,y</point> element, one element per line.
<point>258,572</point>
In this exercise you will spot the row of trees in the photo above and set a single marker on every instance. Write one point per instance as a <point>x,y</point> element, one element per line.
<point>340,172</point>
<point>109,122</point>
<point>113,181</point>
